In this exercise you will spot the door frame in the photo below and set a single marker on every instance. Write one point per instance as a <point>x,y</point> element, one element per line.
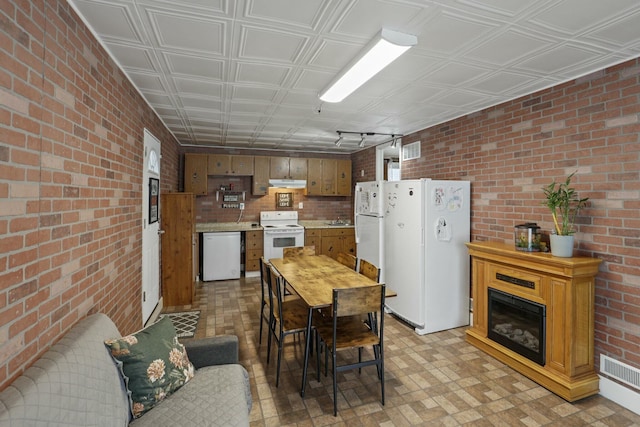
<point>150,281</point>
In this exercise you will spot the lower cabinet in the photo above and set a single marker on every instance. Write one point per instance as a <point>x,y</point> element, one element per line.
<point>336,240</point>
<point>254,241</point>
<point>312,238</point>
<point>178,248</point>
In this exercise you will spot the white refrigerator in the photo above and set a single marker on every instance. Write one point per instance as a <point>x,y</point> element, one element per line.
<point>426,226</point>
<point>368,219</point>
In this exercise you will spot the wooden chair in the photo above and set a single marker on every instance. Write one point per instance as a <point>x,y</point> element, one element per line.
<point>264,284</point>
<point>369,270</point>
<point>296,251</point>
<point>346,330</point>
<point>287,316</point>
<point>348,260</point>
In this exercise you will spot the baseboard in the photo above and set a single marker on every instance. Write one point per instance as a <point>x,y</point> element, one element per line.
<point>619,394</point>
<point>252,274</point>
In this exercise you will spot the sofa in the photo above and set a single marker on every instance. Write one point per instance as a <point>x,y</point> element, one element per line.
<point>78,383</point>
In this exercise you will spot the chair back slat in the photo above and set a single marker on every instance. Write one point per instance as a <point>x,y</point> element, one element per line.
<point>297,251</point>
<point>275,291</point>
<point>347,259</point>
<point>360,300</point>
<point>369,270</point>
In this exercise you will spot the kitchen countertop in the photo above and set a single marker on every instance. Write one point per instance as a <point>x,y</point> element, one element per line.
<point>322,223</point>
<point>219,227</point>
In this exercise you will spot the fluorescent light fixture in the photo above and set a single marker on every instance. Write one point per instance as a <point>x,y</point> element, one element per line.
<point>377,54</point>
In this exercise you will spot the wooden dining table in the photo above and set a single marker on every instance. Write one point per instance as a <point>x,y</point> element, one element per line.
<point>314,278</point>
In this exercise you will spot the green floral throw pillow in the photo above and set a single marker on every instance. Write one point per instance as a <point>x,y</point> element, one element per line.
<point>154,364</point>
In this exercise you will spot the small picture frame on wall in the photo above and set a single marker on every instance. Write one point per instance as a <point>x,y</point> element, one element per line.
<point>284,200</point>
<point>154,193</point>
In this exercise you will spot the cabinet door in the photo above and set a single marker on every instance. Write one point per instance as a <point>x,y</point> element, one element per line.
<point>195,174</point>
<point>260,185</point>
<point>279,168</point>
<point>297,168</point>
<point>329,172</point>
<point>219,164</point>
<point>343,187</point>
<point>349,242</point>
<point>314,177</point>
<point>242,165</point>
<point>177,248</point>
<point>331,245</point>
<point>312,238</point>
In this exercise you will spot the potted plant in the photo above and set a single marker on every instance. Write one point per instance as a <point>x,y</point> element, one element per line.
<point>564,203</point>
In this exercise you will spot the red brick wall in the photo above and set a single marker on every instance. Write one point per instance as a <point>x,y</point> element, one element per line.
<point>508,152</point>
<point>71,154</point>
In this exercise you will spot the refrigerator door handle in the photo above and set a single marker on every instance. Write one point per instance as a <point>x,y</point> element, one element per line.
<point>355,227</point>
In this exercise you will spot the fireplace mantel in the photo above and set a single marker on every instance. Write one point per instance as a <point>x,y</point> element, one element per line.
<point>566,286</point>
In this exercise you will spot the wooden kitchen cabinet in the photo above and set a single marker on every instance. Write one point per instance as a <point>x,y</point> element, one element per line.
<point>178,248</point>
<point>336,240</point>
<point>566,288</point>
<point>224,164</point>
<point>329,177</point>
<point>288,168</point>
<point>260,184</point>
<point>254,242</point>
<point>343,177</point>
<point>195,173</point>
<point>312,238</point>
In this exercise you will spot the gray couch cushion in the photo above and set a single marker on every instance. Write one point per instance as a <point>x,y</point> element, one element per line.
<point>216,396</point>
<point>75,383</point>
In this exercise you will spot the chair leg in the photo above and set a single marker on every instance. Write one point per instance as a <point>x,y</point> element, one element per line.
<point>261,322</point>
<point>318,356</point>
<point>382,375</point>
<point>280,345</point>
<point>335,386</point>
<point>270,332</point>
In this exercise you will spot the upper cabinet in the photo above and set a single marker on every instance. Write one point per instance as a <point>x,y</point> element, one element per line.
<point>325,177</point>
<point>260,185</point>
<point>329,177</point>
<point>343,177</point>
<point>195,173</point>
<point>224,164</point>
<point>288,168</point>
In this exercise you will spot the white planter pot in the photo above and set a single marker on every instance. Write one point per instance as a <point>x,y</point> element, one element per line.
<point>561,246</point>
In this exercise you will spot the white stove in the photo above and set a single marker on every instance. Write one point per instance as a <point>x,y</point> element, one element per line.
<point>281,230</point>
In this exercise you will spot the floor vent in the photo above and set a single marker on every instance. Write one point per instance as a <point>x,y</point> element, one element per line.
<point>620,371</point>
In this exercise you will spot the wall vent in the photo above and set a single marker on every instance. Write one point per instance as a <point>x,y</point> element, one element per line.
<point>411,151</point>
<point>620,371</point>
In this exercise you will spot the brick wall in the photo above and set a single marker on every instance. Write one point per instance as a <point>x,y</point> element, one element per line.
<point>71,154</point>
<point>508,152</point>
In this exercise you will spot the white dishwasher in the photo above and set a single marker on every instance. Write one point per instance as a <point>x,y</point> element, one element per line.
<point>221,256</point>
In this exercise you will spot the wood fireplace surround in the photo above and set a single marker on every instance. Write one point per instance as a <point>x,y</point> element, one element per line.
<point>566,287</point>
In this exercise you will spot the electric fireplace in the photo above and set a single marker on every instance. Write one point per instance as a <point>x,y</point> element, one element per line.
<point>517,324</point>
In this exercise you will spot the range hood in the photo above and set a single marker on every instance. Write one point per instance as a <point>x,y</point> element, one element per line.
<point>287,183</point>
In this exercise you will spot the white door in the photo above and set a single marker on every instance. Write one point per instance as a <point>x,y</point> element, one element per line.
<point>150,226</point>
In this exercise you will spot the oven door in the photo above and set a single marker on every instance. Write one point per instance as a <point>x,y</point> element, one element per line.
<point>275,241</point>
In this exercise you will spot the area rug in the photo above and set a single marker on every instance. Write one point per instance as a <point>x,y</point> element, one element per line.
<point>185,322</point>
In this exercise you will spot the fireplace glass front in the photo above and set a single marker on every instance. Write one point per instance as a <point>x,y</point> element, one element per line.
<point>517,324</point>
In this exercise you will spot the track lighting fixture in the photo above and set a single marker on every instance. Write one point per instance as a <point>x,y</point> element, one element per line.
<point>363,135</point>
